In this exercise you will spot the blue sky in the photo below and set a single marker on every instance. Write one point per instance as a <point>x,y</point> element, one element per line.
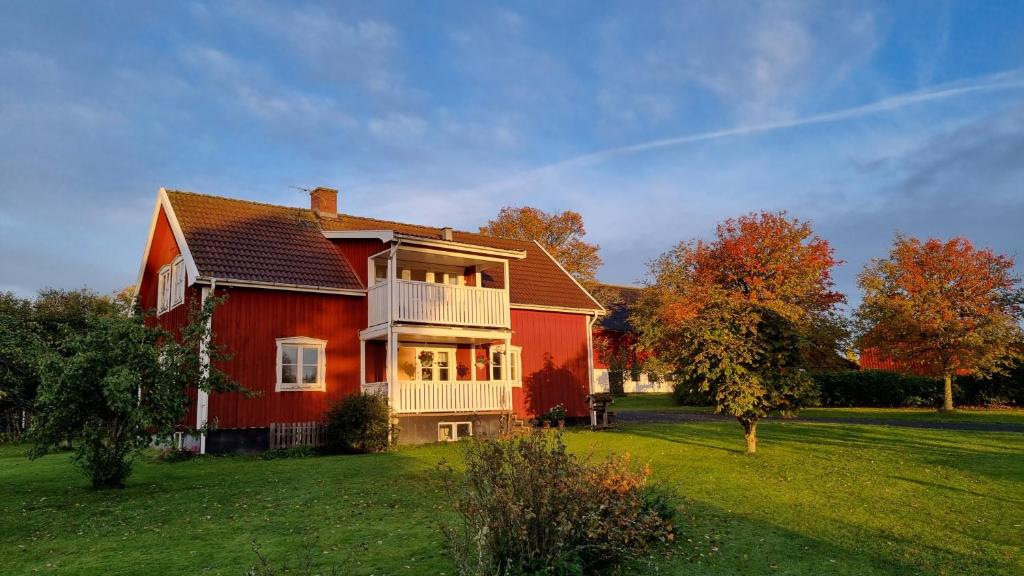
<point>655,121</point>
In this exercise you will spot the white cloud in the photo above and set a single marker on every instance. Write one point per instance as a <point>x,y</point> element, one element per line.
<point>398,128</point>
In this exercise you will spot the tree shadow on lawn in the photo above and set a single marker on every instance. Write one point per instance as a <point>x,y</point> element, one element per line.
<point>714,541</point>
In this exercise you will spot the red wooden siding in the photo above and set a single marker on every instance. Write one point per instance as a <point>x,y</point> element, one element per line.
<point>358,252</point>
<point>163,249</point>
<point>555,367</point>
<point>249,323</point>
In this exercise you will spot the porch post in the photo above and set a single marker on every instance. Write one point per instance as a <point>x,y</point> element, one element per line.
<point>392,368</point>
<point>472,362</point>
<point>506,369</point>
<point>362,364</point>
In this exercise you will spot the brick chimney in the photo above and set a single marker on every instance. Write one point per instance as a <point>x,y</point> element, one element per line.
<point>324,202</point>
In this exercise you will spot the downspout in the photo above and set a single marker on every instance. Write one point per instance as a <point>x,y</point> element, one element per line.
<point>202,396</point>
<point>392,348</point>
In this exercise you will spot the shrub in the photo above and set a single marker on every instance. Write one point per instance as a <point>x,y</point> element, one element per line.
<point>876,388</point>
<point>360,423</point>
<point>616,382</point>
<point>689,394</point>
<point>290,452</point>
<point>527,506</point>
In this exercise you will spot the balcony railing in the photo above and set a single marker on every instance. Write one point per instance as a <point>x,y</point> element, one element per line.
<point>443,304</point>
<point>418,397</point>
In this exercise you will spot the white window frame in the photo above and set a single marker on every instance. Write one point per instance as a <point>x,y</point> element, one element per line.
<point>515,362</point>
<point>178,277</point>
<point>455,431</point>
<point>302,343</point>
<point>162,285</point>
<point>453,362</point>
<point>170,286</point>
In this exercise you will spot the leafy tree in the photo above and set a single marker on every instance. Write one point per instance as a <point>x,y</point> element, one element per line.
<point>943,308</point>
<point>560,234</point>
<point>741,317</point>
<point>119,384</point>
<point>20,346</point>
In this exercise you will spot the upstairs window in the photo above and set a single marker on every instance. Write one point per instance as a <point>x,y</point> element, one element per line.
<point>301,364</point>
<point>170,291</point>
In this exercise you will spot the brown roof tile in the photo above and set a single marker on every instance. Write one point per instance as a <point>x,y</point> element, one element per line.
<point>242,240</point>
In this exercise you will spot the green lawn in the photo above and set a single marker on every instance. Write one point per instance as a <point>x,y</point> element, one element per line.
<point>663,403</point>
<point>818,499</point>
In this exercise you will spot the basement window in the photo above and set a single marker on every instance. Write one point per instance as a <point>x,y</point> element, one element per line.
<point>301,364</point>
<point>453,431</point>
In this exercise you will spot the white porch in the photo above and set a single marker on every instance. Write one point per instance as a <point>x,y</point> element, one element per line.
<point>441,386</point>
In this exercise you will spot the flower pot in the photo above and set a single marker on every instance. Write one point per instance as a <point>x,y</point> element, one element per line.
<point>545,424</point>
<point>561,423</point>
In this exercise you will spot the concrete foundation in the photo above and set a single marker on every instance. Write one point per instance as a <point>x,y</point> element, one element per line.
<point>423,429</point>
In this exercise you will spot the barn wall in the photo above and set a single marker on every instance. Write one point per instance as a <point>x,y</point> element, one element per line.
<point>555,371</point>
<point>249,323</point>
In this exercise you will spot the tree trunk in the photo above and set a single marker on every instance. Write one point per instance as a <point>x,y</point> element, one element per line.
<point>750,434</point>
<point>947,393</point>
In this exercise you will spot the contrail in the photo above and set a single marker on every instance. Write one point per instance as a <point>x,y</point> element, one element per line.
<point>1007,80</point>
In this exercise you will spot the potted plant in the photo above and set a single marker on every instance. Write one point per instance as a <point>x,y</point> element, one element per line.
<point>555,416</point>
<point>462,370</point>
<point>426,358</point>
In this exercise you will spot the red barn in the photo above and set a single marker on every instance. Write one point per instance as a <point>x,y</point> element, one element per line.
<point>614,338</point>
<point>459,330</point>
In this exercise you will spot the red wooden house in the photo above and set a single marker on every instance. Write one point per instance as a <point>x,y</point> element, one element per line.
<point>614,338</point>
<point>460,331</point>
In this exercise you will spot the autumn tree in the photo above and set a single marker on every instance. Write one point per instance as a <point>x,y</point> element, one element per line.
<point>740,317</point>
<point>942,308</point>
<point>560,234</point>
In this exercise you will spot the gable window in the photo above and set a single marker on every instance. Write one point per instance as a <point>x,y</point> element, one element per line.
<point>301,364</point>
<point>514,370</point>
<point>170,291</point>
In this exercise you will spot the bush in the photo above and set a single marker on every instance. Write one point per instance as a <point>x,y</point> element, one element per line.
<point>687,394</point>
<point>360,423</point>
<point>616,382</point>
<point>527,506</point>
<point>876,389</point>
<point>290,452</point>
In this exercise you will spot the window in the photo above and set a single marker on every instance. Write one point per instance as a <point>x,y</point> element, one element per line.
<point>301,364</point>
<point>434,364</point>
<point>453,431</point>
<point>170,290</point>
<point>515,364</point>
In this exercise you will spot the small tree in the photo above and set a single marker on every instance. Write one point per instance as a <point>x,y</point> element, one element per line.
<point>20,346</point>
<point>119,384</point>
<point>739,317</point>
<point>560,234</point>
<point>942,308</point>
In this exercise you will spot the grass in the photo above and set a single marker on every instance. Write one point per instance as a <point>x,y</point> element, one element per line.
<point>818,499</point>
<point>663,403</point>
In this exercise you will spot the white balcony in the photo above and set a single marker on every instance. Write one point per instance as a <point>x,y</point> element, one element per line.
<point>420,397</point>
<point>441,304</point>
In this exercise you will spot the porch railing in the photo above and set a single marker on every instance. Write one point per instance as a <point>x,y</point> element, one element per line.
<point>442,304</point>
<point>417,397</point>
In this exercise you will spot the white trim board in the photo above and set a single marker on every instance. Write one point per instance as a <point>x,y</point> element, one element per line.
<point>280,286</point>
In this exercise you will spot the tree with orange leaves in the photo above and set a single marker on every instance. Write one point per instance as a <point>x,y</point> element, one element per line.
<point>560,234</point>
<point>943,308</point>
<point>737,317</point>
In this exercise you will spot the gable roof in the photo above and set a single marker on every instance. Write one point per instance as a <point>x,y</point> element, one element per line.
<point>252,241</point>
<point>620,298</point>
<point>248,241</point>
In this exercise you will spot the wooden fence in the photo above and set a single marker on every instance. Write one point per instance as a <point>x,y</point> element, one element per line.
<point>287,435</point>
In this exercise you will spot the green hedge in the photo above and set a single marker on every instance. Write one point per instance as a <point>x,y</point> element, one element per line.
<point>881,389</point>
<point>876,388</point>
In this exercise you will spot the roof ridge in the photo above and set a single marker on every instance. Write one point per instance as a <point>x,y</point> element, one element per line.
<point>229,199</point>
<point>626,286</point>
